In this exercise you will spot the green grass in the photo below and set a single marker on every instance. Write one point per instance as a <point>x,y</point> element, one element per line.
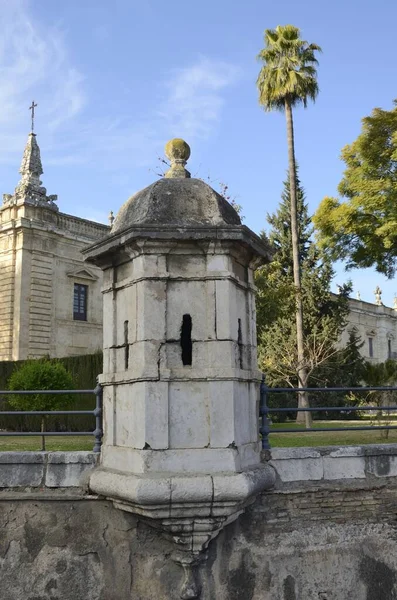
<point>332,438</point>
<point>53,443</point>
<point>281,440</point>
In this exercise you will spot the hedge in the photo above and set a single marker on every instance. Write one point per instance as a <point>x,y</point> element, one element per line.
<point>84,370</point>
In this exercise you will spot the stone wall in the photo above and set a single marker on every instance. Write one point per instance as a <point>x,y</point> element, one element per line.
<point>64,547</point>
<point>324,539</point>
<point>7,269</point>
<point>40,261</point>
<point>305,545</point>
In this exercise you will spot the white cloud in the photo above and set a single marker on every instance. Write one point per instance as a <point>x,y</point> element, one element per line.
<point>191,101</point>
<point>35,64</point>
<point>196,96</point>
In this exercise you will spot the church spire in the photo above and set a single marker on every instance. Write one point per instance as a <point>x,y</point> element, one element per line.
<point>31,167</point>
<point>29,188</point>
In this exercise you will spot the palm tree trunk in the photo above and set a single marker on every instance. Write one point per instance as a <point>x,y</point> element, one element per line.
<point>303,399</point>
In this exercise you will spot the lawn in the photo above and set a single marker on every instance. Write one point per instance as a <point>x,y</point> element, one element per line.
<point>281,440</point>
<point>53,443</point>
<point>332,438</point>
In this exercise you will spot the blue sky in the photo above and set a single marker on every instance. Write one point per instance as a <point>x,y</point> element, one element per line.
<point>114,80</point>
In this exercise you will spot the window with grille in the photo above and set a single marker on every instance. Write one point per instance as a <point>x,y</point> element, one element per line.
<point>80,302</point>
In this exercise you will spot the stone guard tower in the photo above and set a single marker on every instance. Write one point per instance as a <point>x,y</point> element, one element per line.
<point>181,445</point>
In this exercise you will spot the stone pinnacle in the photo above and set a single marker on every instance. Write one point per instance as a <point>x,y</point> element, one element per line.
<point>178,152</point>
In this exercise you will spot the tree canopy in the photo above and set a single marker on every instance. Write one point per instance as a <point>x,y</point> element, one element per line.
<point>289,69</point>
<point>361,226</point>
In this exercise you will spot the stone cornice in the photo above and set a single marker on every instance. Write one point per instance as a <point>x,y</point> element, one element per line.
<point>63,224</point>
<point>99,252</point>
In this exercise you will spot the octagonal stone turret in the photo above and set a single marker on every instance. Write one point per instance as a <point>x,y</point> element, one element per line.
<point>181,444</point>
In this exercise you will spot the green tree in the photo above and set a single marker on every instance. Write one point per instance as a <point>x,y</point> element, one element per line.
<point>275,282</point>
<point>324,313</point>
<point>377,375</point>
<point>288,78</point>
<point>343,369</point>
<point>350,363</point>
<point>361,227</point>
<point>40,374</point>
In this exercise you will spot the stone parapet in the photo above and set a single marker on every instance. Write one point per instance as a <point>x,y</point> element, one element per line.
<point>45,469</point>
<point>330,463</point>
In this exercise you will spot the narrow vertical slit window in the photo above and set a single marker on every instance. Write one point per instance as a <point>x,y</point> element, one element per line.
<point>240,344</point>
<point>186,340</point>
<point>389,351</point>
<point>126,346</point>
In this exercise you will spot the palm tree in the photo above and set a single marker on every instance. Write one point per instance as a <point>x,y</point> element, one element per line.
<point>287,78</point>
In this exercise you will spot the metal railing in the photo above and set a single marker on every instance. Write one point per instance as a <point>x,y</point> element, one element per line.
<point>96,412</point>
<point>264,410</point>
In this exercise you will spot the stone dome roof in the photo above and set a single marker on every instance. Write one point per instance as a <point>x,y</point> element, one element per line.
<point>180,202</point>
<point>176,207</point>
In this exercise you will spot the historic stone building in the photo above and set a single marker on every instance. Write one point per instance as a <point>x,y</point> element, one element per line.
<point>376,325</point>
<point>50,300</point>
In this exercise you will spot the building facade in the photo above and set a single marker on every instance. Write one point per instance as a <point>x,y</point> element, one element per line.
<point>50,300</point>
<point>376,325</point>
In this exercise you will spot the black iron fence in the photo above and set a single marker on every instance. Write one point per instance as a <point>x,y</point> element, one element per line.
<point>265,411</point>
<point>96,413</point>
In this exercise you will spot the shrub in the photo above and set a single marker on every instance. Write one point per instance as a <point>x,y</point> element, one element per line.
<point>40,375</point>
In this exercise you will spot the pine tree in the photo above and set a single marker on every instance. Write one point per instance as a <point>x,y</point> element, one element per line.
<point>350,363</point>
<point>324,313</point>
<point>275,281</point>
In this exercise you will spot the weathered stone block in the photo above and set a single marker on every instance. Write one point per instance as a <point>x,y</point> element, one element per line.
<point>149,264</point>
<point>126,321</point>
<point>142,361</point>
<point>151,299</point>
<point>187,297</point>
<point>346,468</point>
<point>297,464</point>
<point>66,469</point>
<point>231,309</point>
<point>191,489</point>
<point>142,415</point>
<point>188,415</point>
<point>22,469</point>
<point>222,418</point>
<point>186,265</point>
<point>381,465</point>
<point>218,263</point>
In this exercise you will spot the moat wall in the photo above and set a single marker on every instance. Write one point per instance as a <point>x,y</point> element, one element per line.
<point>308,539</point>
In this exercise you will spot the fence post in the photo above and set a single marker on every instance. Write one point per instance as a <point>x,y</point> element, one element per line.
<point>264,411</point>
<point>98,433</point>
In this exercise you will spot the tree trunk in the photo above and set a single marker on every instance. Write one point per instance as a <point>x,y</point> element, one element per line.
<point>303,397</point>
<point>43,436</point>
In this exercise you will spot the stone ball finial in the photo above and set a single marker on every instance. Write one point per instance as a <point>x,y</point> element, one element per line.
<point>178,152</point>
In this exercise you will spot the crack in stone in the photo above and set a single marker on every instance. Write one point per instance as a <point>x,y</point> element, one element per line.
<point>104,535</point>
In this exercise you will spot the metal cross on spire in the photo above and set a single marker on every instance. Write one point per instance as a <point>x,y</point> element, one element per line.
<point>32,109</point>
